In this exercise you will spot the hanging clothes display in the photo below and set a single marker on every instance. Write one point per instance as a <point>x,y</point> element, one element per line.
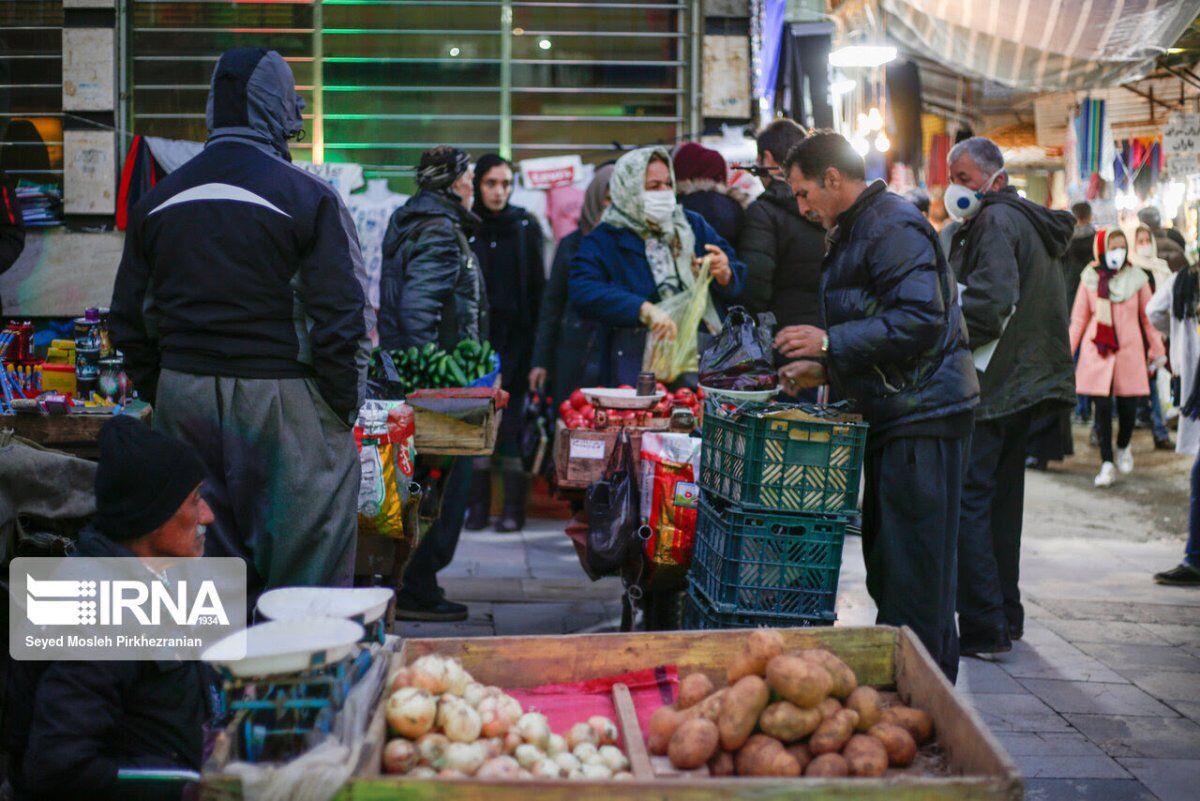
<point>139,175</point>
<point>371,211</point>
<point>804,63</point>
<point>904,108</point>
<point>938,172</point>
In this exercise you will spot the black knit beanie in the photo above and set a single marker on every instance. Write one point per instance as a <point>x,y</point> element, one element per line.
<point>142,479</point>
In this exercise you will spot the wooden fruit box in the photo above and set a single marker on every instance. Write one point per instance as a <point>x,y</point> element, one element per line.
<point>581,454</point>
<point>974,766</point>
<point>457,422</point>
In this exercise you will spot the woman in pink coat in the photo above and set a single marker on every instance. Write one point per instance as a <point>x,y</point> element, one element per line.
<point>1117,345</point>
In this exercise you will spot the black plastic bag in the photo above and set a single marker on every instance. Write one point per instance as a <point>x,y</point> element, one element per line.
<point>383,380</point>
<point>534,439</point>
<point>742,356</point>
<point>614,512</point>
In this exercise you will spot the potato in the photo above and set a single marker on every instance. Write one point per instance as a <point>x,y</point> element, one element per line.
<point>663,723</point>
<point>831,735</point>
<point>917,721</point>
<point>866,756</point>
<point>709,708</point>
<point>829,707</point>
<point>844,680</point>
<point>743,703</point>
<point>765,756</point>
<point>801,753</point>
<point>900,746</point>
<point>721,764</point>
<point>693,743</point>
<point>804,683</point>
<point>828,766</point>
<point>694,688</point>
<point>761,647</point>
<point>865,701</point>
<point>787,722</point>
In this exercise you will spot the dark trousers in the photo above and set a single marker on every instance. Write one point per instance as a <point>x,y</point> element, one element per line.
<point>1126,417</point>
<point>910,538</point>
<point>436,550</point>
<point>1191,553</point>
<point>989,529</point>
<point>806,56</point>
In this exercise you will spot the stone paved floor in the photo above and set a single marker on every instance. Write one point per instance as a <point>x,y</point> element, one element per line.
<point>1100,701</point>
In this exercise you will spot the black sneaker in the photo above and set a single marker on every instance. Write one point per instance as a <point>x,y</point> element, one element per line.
<point>1184,575</point>
<point>999,643</point>
<point>440,611</point>
<point>1016,632</point>
<point>1164,444</point>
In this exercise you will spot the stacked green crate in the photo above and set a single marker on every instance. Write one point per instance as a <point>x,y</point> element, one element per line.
<point>780,486</point>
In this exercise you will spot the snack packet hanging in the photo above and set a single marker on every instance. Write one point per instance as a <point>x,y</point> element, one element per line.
<point>384,433</point>
<point>670,495</point>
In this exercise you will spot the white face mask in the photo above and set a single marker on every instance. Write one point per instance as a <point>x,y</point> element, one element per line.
<point>1115,258</point>
<point>659,206</point>
<point>964,203</point>
<point>1145,251</point>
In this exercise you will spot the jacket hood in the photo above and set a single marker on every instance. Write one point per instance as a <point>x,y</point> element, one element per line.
<point>1054,227</point>
<point>688,186</point>
<point>253,98</point>
<point>428,203</point>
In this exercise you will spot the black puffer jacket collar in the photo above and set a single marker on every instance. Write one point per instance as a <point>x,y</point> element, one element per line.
<point>897,342</point>
<point>428,203</point>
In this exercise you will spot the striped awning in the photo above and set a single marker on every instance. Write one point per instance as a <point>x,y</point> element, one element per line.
<point>1032,45</point>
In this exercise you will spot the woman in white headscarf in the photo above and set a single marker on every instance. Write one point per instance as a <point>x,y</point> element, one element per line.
<point>645,249</point>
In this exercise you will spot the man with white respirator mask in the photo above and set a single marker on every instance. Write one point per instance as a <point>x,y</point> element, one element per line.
<point>1007,259</point>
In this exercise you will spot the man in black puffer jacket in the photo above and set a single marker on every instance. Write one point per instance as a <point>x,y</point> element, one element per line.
<point>431,290</point>
<point>1007,255</point>
<point>895,344</point>
<point>782,249</point>
<point>241,310</point>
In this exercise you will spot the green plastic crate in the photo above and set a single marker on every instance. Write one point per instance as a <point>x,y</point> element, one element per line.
<point>763,462</point>
<point>699,616</point>
<point>749,562</point>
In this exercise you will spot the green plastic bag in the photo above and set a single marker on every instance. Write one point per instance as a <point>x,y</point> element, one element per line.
<point>670,358</point>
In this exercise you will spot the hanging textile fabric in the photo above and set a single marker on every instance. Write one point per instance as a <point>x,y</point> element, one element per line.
<point>1089,136</point>
<point>140,174</point>
<point>938,172</point>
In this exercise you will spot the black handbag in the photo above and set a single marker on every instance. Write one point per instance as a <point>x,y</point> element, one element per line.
<point>614,512</point>
<point>534,439</point>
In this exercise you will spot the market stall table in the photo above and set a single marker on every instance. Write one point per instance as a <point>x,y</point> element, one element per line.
<point>75,434</point>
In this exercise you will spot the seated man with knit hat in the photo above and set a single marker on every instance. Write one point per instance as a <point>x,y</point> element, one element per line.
<point>70,726</point>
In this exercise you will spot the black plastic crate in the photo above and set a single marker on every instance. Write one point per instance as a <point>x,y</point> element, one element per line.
<point>749,562</point>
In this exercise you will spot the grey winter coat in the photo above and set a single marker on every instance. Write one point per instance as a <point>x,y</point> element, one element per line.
<point>1009,257</point>
<point>430,288</point>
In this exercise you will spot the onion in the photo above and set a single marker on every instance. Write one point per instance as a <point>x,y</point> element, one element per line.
<point>422,772</point>
<point>524,775</point>
<point>606,730</point>
<point>596,772</point>
<point>576,775</point>
<point>528,755</point>
<point>509,705</point>
<point>512,741</point>
<point>534,729</point>
<point>430,673</point>
<point>459,722</point>
<point>499,768</point>
<point>585,751</point>
<point>449,773</point>
<point>457,679</point>
<point>547,769</point>
<point>399,756</point>
<point>623,776</point>
<point>582,733</point>
<point>494,746</point>
<point>411,712</point>
<point>474,693</point>
<point>399,680</point>
<point>466,757</point>
<point>568,762</point>
<point>431,748</point>
<point>557,745</point>
<point>613,758</point>
<point>496,720</point>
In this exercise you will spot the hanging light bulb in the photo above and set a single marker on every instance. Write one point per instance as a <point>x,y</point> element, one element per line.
<point>862,122</point>
<point>882,143</point>
<point>842,86</point>
<point>874,119</point>
<point>860,144</point>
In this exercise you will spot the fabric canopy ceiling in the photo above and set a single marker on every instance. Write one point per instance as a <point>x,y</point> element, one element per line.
<point>1032,45</point>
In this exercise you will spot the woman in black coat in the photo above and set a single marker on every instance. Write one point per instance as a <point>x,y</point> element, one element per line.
<point>508,244</point>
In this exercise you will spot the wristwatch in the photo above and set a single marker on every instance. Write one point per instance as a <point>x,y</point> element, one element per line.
<point>824,346</point>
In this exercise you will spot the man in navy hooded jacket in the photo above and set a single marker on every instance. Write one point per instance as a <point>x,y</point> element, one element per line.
<point>240,307</point>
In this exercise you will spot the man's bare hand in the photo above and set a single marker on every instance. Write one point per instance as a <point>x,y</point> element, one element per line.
<point>800,342</point>
<point>802,375</point>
